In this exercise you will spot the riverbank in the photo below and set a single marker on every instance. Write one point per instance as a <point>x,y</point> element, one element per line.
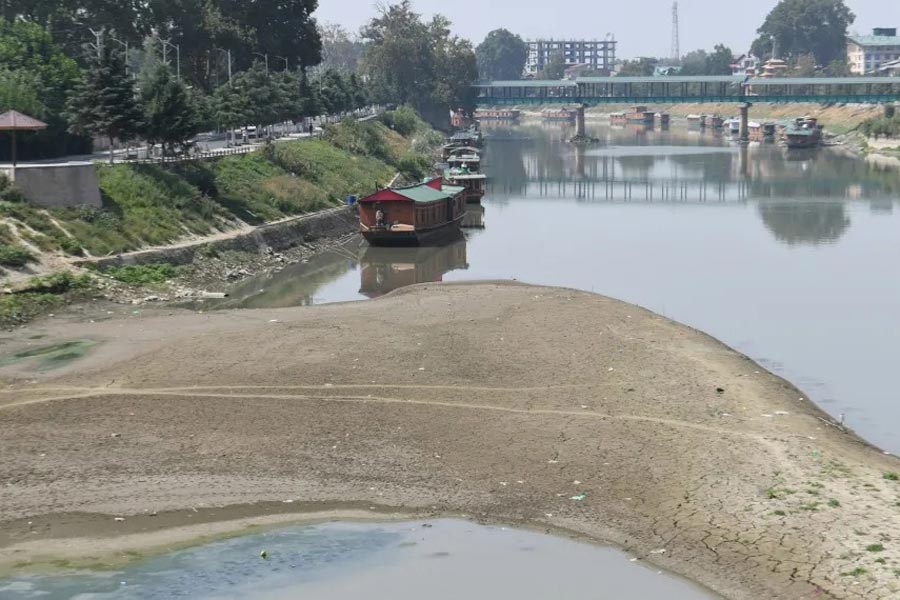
<point>603,420</point>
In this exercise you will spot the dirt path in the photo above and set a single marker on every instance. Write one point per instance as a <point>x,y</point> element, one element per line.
<point>534,406</point>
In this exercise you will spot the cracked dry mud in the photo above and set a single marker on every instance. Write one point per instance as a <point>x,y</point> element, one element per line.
<point>489,400</point>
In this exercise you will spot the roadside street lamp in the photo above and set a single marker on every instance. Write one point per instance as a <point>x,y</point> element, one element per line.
<point>286,65</point>
<point>265,57</point>
<point>166,44</point>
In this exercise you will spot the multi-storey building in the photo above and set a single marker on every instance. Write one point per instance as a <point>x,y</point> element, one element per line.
<point>595,55</point>
<point>867,53</point>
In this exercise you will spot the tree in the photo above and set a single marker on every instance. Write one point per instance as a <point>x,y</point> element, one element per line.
<point>409,61</point>
<point>797,27</point>
<point>640,67</point>
<point>804,66</point>
<point>694,63</point>
<point>501,56</point>
<point>555,68</point>
<point>37,78</point>
<point>171,115</point>
<point>231,105</point>
<point>104,102</point>
<point>720,61</point>
<point>340,50</point>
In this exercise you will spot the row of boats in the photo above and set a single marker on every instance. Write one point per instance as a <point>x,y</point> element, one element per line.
<point>421,214</point>
<point>802,132</point>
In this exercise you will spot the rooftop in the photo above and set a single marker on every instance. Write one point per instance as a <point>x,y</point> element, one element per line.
<point>875,40</point>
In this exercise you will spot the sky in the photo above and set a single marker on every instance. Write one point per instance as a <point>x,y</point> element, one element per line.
<point>643,27</point>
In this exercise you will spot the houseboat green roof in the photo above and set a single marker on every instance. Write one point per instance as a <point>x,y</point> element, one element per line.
<point>527,83</point>
<point>822,81</point>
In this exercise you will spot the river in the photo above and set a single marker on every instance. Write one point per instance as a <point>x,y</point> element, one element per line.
<point>789,257</point>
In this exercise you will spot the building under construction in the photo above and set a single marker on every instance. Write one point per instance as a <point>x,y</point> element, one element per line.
<point>593,55</point>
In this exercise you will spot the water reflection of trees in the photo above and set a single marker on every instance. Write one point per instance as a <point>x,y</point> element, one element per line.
<point>805,223</point>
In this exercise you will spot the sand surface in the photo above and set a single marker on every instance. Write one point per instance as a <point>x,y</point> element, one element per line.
<point>536,406</point>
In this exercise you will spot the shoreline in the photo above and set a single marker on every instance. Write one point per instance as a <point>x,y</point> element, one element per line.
<point>709,464</point>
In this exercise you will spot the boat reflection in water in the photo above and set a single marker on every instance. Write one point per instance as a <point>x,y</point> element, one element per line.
<point>474,217</point>
<point>384,269</point>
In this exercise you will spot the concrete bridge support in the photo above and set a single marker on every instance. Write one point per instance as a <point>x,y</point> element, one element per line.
<point>580,132</point>
<point>745,122</point>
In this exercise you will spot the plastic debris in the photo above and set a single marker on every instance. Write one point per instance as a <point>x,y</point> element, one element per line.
<point>781,412</point>
<point>720,390</point>
<point>263,554</point>
<point>660,551</point>
<point>119,519</point>
<point>579,497</point>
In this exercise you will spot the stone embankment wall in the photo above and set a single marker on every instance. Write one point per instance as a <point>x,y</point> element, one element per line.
<point>64,184</point>
<point>275,237</point>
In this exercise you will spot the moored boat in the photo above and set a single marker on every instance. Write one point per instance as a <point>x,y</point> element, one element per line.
<point>696,121</point>
<point>640,114</point>
<point>663,120</point>
<point>804,132</point>
<point>732,126</point>
<point>713,122</point>
<point>617,118</point>
<point>470,161</point>
<point>472,182</point>
<point>497,114</point>
<point>761,132</point>
<point>412,216</point>
<point>558,115</point>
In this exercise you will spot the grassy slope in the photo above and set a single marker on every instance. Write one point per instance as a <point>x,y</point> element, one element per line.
<point>145,205</point>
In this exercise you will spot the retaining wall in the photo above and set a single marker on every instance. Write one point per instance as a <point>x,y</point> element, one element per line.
<point>280,236</point>
<point>58,184</point>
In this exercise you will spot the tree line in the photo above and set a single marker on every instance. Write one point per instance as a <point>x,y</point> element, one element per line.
<point>163,70</point>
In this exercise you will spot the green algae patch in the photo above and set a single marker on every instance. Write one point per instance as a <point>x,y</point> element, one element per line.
<point>52,356</point>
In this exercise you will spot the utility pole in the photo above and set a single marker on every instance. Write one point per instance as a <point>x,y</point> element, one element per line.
<point>98,35</point>
<point>125,45</point>
<point>676,42</point>
<point>265,57</point>
<point>286,67</point>
<point>166,44</point>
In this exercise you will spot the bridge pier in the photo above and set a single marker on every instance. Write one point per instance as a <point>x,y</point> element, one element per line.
<point>745,122</point>
<point>580,131</point>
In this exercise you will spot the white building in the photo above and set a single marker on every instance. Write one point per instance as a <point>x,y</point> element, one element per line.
<point>595,55</point>
<point>867,53</point>
<point>745,64</point>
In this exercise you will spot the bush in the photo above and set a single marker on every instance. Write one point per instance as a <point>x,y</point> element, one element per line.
<point>144,274</point>
<point>58,283</point>
<point>403,120</point>
<point>413,166</point>
<point>8,192</point>
<point>14,256</point>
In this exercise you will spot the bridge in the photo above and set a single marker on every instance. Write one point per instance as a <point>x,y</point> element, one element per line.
<point>593,91</point>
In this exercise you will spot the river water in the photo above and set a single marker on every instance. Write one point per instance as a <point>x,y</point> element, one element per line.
<point>439,560</point>
<point>792,258</point>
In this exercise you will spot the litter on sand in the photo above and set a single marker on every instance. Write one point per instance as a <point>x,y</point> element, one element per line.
<point>660,551</point>
<point>578,498</point>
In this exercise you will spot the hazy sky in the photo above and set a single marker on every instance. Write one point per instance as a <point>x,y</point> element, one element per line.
<point>643,27</point>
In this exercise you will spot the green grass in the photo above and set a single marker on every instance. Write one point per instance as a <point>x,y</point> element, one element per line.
<point>855,572</point>
<point>144,274</point>
<point>875,548</point>
<point>891,476</point>
<point>14,255</point>
<point>833,503</point>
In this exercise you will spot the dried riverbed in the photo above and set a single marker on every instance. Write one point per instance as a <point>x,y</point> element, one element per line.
<point>545,407</point>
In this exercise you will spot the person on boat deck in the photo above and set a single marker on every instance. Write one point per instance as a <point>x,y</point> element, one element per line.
<point>379,217</point>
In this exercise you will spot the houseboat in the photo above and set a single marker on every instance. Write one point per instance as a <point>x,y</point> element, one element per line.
<point>471,182</point>
<point>497,114</point>
<point>558,115</point>
<point>804,132</point>
<point>460,120</point>
<point>450,150</point>
<point>465,160</point>
<point>696,121</point>
<point>412,216</point>
<point>617,118</point>
<point>761,132</point>
<point>732,126</point>
<point>640,114</point>
<point>468,137</point>
<point>663,120</point>
<point>713,122</point>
